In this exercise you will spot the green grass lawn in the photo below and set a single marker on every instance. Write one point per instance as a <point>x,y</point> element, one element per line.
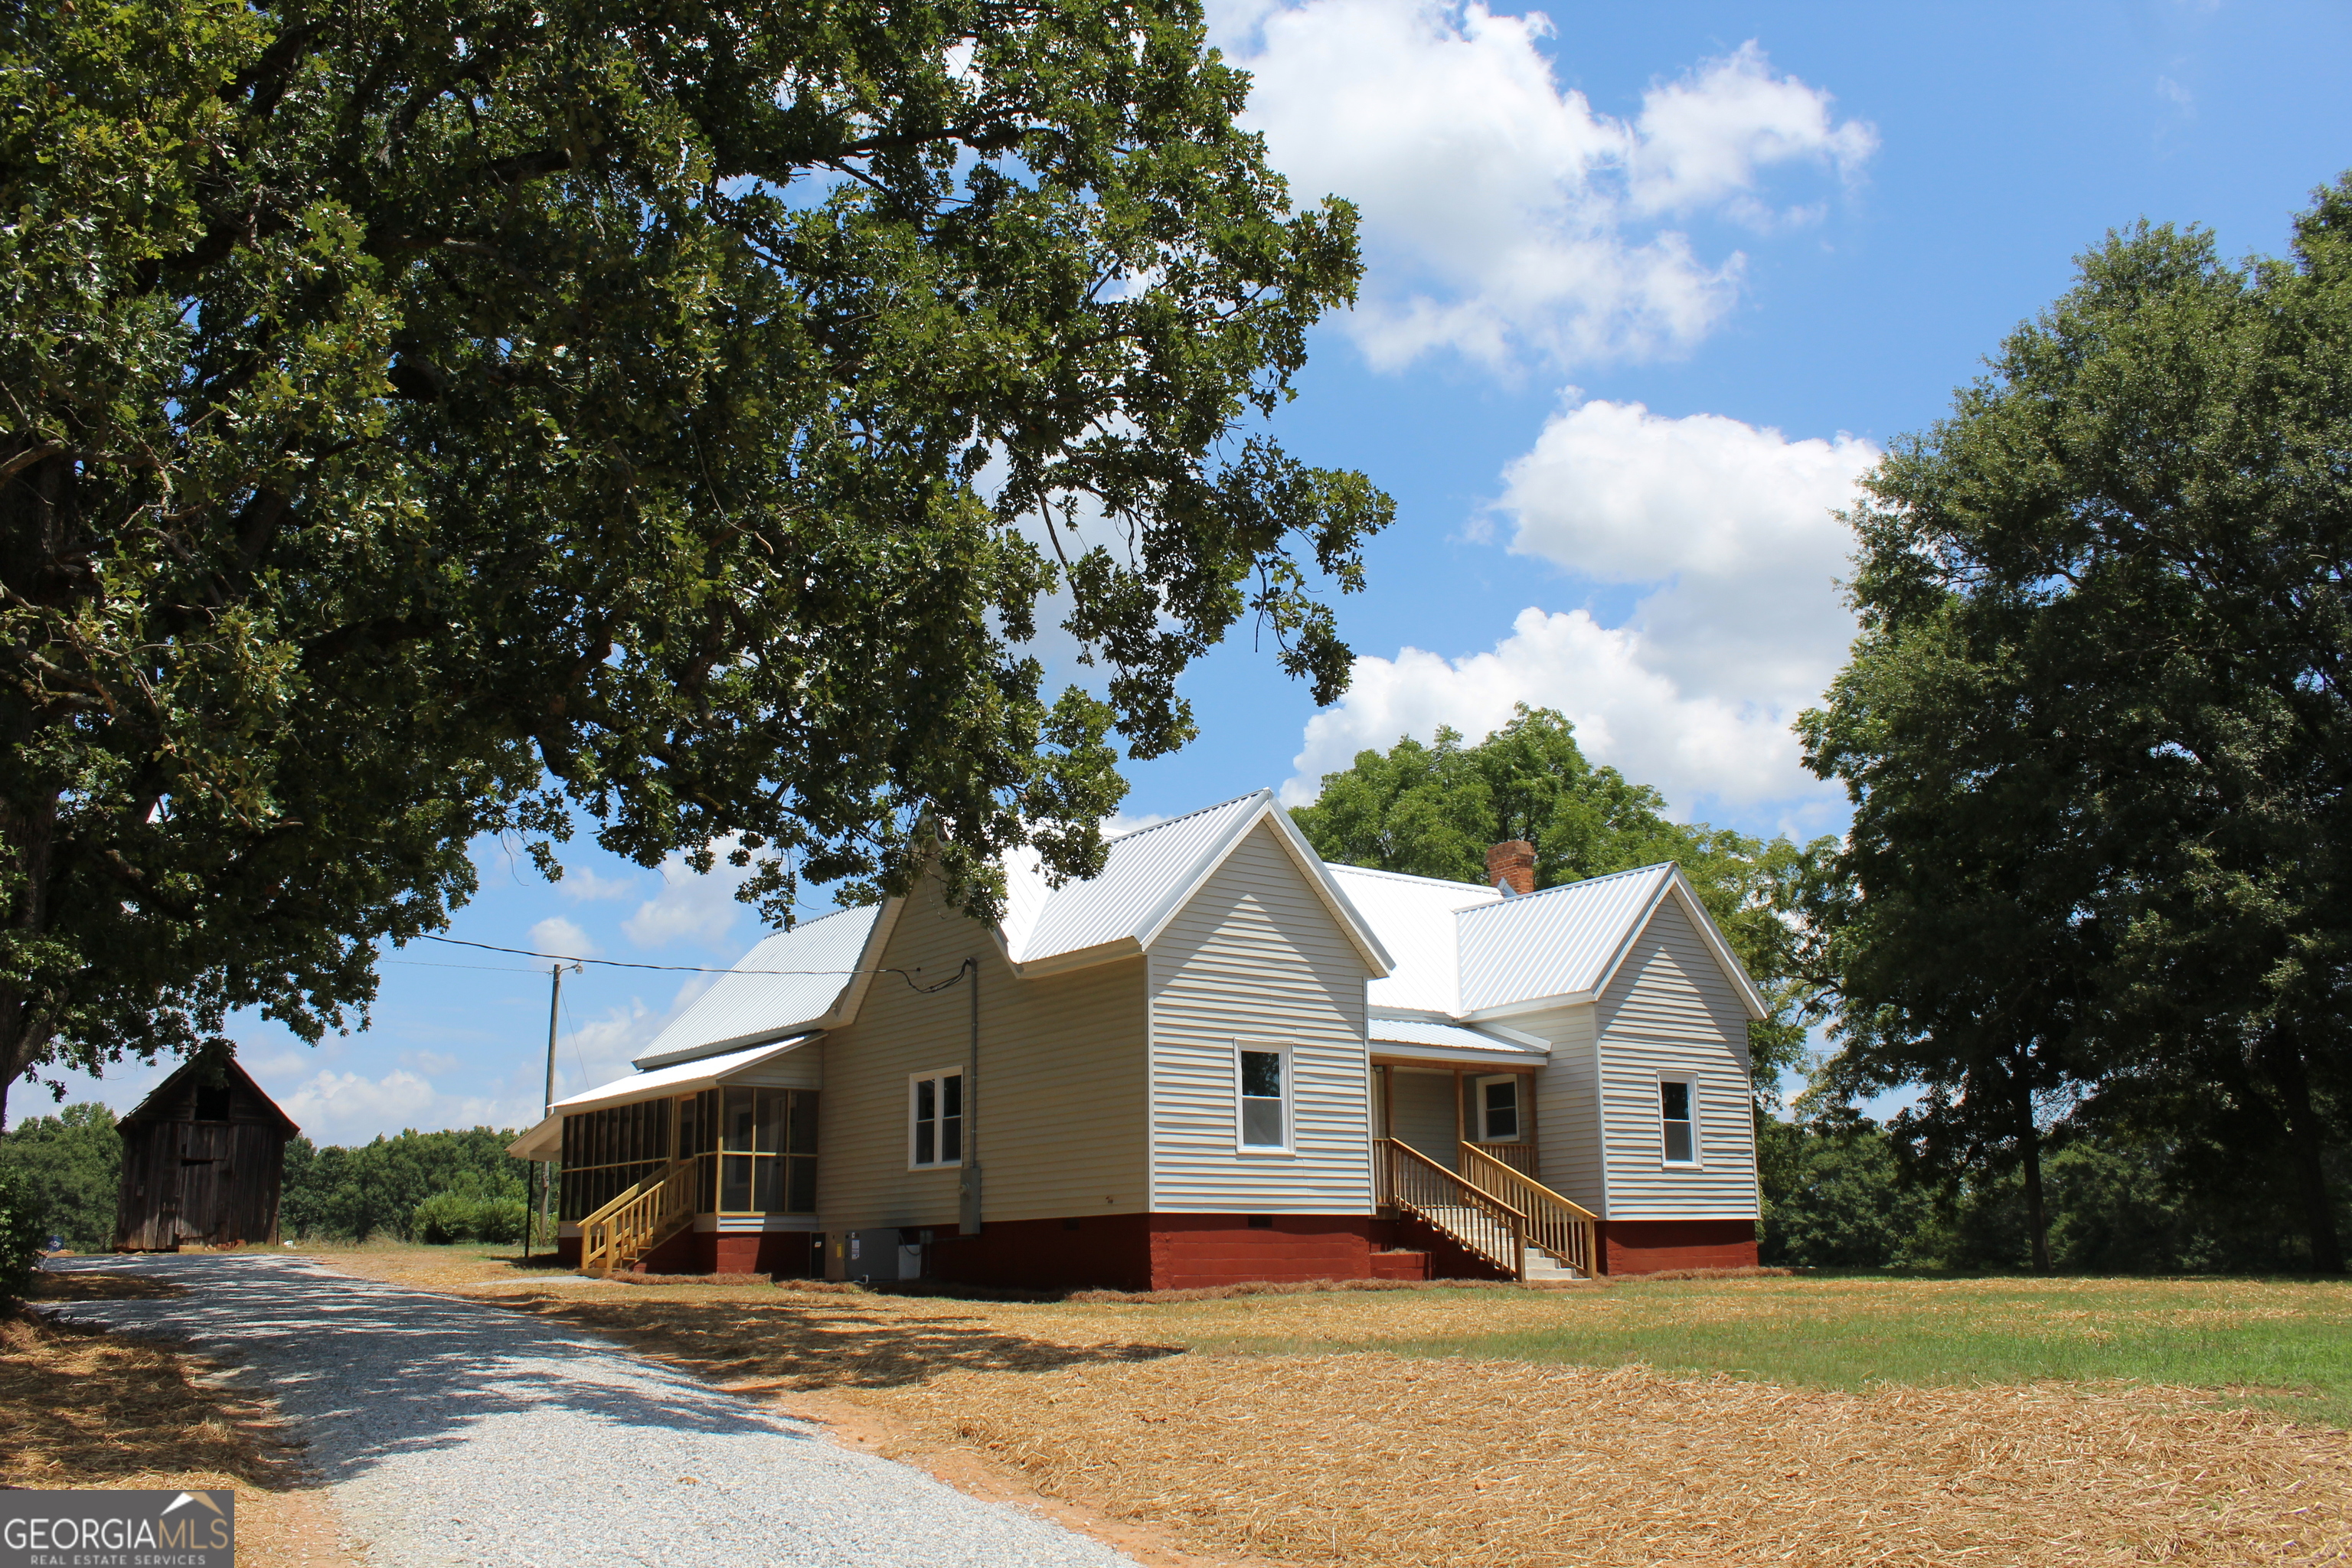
<point>2282,1344</point>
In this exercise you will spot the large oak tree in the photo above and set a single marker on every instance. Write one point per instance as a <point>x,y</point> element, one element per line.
<point>422,419</point>
<point>2097,729</point>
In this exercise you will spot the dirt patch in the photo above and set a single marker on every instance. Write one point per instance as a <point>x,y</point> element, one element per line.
<point>80,1407</point>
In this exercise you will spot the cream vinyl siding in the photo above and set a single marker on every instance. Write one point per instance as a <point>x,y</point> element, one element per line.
<point>1669,1012</point>
<point>1423,1113</point>
<point>1059,1100</point>
<point>1568,1114</point>
<point>802,1068</point>
<point>1255,955</point>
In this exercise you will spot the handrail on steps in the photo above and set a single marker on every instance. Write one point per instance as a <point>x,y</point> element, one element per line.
<point>1560,1225</point>
<point>637,1219</point>
<point>1490,1227</point>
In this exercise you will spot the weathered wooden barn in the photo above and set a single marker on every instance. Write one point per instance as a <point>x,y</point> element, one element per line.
<point>202,1161</point>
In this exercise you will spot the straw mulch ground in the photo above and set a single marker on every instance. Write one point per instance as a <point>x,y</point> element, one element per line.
<point>1375,1459</point>
<point>1147,1416</point>
<point>82,1408</point>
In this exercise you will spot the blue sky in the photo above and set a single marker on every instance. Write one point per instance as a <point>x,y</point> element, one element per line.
<point>1647,286</point>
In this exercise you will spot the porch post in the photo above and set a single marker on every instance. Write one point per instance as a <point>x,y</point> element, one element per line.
<point>1461,1121</point>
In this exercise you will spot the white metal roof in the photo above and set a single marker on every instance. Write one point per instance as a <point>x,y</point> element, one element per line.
<point>543,1142</point>
<point>1414,918</point>
<point>1150,874</point>
<point>806,969</point>
<point>1140,871</point>
<point>1462,950</point>
<point>1560,941</point>
<point>1451,1043</point>
<point>1566,941</point>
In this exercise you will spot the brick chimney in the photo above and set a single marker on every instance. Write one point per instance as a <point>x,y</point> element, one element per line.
<point>1511,866</point>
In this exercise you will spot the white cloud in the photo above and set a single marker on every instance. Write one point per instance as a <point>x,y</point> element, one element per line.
<point>1705,140</point>
<point>690,906</point>
<point>1502,216</point>
<point>581,884</point>
<point>350,1108</point>
<point>560,938</point>
<point>1732,521</point>
<point>1730,527</point>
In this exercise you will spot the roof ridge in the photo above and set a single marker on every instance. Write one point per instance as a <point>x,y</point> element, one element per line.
<point>1580,882</point>
<point>1409,875</point>
<point>1197,810</point>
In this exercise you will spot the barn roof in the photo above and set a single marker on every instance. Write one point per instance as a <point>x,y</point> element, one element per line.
<point>165,1096</point>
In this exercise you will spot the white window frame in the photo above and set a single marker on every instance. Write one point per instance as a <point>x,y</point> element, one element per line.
<point>936,1077</point>
<point>1698,1161</point>
<point>1289,1094</point>
<point>1479,1106</point>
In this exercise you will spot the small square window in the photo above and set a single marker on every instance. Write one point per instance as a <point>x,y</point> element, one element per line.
<point>1497,1109</point>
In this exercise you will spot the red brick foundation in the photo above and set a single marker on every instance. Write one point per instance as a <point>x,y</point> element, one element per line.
<point>1448,1259</point>
<point>788,1254</point>
<point>1195,1251</point>
<point>1106,1252</point>
<point>1653,1245</point>
<point>1400,1266</point>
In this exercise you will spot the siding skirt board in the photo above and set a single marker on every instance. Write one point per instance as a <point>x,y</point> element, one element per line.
<point>1653,1245</point>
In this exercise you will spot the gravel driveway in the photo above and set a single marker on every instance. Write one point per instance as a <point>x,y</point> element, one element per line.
<point>458,1433</point>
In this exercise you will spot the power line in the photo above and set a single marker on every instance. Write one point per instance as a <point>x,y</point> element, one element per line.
<point>906,975</point>
<point>623,963</point>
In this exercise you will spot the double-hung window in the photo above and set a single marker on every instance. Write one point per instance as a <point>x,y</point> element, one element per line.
<point>1678,1120</point>
<point>1261,1084</point>
<point>935,1119</point>
<point>1495,1108</point>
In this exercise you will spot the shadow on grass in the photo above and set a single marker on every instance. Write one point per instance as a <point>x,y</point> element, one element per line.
<point>81,1406</point>
<point>803,1346</point>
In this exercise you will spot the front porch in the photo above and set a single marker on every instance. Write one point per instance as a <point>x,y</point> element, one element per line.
<point>1457,1155</point>
<point>706,1166</point>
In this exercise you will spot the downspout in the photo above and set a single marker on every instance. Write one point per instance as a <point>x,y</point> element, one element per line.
<point>968,1185</point>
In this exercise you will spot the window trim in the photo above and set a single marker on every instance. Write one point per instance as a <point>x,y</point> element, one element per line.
<point>936,1075</point>
<point>1518,1106</point>
<point>1697,1162</point>
<point>1288,1146</point>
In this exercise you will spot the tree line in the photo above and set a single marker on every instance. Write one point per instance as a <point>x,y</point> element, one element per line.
<point>63,1171</point>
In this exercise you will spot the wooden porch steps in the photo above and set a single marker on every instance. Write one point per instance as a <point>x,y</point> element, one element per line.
<point>640,1219</point>
<point>1491,1210</point>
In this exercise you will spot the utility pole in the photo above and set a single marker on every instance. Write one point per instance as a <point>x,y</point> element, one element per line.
<point>554,1008</point>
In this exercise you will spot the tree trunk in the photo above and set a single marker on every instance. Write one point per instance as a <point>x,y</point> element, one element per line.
<point>38,566</point>
<point>2028,1144</point>
<point>2282,1057</point>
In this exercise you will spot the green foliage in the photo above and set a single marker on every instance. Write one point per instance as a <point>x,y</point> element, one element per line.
<point>1842,1192</point>
<point>22,1236</point>
<point>1835,1196</point>
<point>470,1211</point>
<point>459,1185</point>
<point>2098,733</point>
<point>1434,810</point>
<point>425,423</point>
<point>68,1167</point>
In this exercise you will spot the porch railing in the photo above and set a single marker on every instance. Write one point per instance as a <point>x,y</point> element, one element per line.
<point>1519,1157</point>
<point>1482,1222</point>
<point>638,1220</point>
<point>1561,1227</point>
